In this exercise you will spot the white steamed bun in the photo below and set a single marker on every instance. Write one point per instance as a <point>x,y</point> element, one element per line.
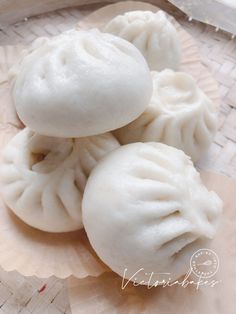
<point>42,178</point>
<point>152,34</point>
<point>151,211</point>
<point>179,114</point>
<point>81,83</point>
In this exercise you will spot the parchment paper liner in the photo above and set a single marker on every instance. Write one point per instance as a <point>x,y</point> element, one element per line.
<point>104,294</point>
<point>9,55</point>
<point>32,252</point>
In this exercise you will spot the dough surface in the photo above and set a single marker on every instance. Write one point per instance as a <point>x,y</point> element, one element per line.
<point>151,211</point>
<point>42,178</point>
<point>179,115</point>
<point>152,34</point>
<point>81,83</point>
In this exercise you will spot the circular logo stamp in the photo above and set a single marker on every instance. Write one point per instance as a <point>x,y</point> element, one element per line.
<point>204,263</point>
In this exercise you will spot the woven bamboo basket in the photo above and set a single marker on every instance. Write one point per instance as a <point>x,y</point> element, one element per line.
<point>19,294</point>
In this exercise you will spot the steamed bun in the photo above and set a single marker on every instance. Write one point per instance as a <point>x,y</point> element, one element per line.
<point>81,83</point>
<point>152,34</point>
<point>151,211</point>
<point>179,114</point>
<point>42,178</point>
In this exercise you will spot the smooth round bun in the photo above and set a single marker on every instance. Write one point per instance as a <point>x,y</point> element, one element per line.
<point>81,83</point>
<point>151,211</point>
<point>152,34</point>
<point>42,179</point>
<point>179,114</point>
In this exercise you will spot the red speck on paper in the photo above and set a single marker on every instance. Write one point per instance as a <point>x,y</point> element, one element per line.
<point>42,288</point>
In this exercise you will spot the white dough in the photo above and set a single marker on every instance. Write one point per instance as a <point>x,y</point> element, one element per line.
<point>42,178</point>
<point>152,34</point>
<point>81,83</point>
<point>179,114</point>
<point>151,211</point>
